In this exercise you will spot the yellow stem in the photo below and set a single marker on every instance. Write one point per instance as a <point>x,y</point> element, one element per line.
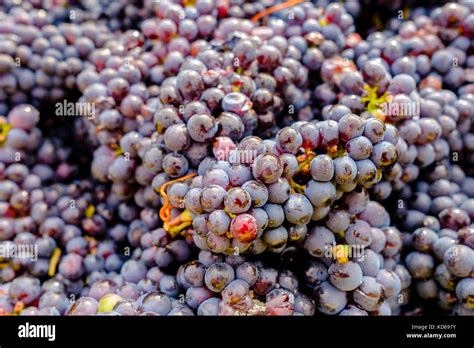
<point>165,211</point>
<point>176,225</point>
<point>54,262</point>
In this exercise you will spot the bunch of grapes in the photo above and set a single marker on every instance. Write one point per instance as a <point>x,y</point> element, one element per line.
<point>40,58</point>
<point>239,158</point>
<point>266,184</point>
<point>439,251</point>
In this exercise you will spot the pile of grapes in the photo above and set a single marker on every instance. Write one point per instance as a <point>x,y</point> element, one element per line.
<point>230,157</point>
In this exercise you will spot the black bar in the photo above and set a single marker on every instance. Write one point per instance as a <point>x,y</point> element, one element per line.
<point>192,331</point>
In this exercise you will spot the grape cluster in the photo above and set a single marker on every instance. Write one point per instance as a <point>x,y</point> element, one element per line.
<point>265,193</point>
<point>439,250</point>
<point>239,158</point>
<point>40,58</point>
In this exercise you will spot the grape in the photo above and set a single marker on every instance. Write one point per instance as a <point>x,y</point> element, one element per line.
<point>155,302</point>
<point>328,299</point>
<point>53,285</point>
<point>201,127</point>
<point>258,193</point>
<point>390,282</point>
<point>237,200</point>
<point>321,194</point>
<point>464,292</point>
<point>466,236</point>
<point>218,276</point>
<point>267,168</point>
<point>359,148</point>
<point>247,272</point>
<point>244,228</point>
<point>215,177</point>
<point>453,218</point>
<point>322,168</point>
<point>101,288</point>
<point>125,308</point>
<point>195,296</point>
<point>25,289</point>
<point>298,209</point>
<point>235,291</point>
<point>236,102</point>
<point>384,154</point>
<point>217,243</point>
<point>71,266</point>
<point>289,140</point>
<point>318,241</point>
<point>279,192</point>
<point>345,276</point>
<point>275,238</point>
<point>424,239</point>
<point>367,174</point>
<point>280,302</point>
<point>176,137</point>
<point>338,220</point>
<point>133,271</point>
<point>209,307</point>
<point>359,233</point>
<point>369,263</point>
<point>459,260</point>
<point>83,306</point>
<point>218,222</point>
<point>391,134</point>
<point>239,174</point>
<point>129,291</point>
<point>189,82</point>
<point>420,265</point>
<point>24,116</point>
<point>444,277</point>
<point>309,133</point>
<point>303,304</point>
<point>370,295</point>
<point>427,289</point>
<point>374,130</point>
<point>350,126</point>
<point>212,198</point>
<point>288,280</point>
<point>345,170</point>
<point>175,165</point>
<point>230,125</point>
<point>266,281</point>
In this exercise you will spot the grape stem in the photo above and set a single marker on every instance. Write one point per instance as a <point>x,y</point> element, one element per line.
<point>4,129</point>
<point>295,187</point>
<point>176,225</point>
<point>90,211</point>
<point>229,213</point>
<point>4,264</point>
<point>304,161</point>
<point>275,8</point>
<point>165,211</point>
<point>341,253</point>
<point>19,306</point>
<point>54,262</point>
<point>374,103</point>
